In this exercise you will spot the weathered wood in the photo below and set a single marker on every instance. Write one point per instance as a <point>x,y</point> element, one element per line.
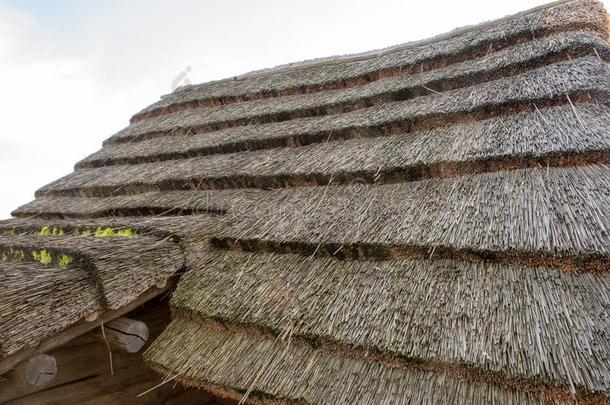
<point>8,363</point>
<point>126,334</point>
<point>37,370</point>
<point>31,375</point>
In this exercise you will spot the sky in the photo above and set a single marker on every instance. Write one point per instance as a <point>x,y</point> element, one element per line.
<point>72,72</point>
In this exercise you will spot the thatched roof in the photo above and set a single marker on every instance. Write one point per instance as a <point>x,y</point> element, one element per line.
<point>428,223</point>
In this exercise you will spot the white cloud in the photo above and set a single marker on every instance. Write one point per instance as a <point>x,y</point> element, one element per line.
<point>72,76</point>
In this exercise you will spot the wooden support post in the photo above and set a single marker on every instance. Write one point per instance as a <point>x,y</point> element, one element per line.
<point>126,334</point>
<point>37,371</point>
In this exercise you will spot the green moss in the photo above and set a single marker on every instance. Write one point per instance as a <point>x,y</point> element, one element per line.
<point>46,231</point>
<point>99,232</point>
<point>104,232</point>
<point>13,256</point>
<point>127,232</point>
<point>65,260</point>
<point>43,256</point>
<point>109,232</point>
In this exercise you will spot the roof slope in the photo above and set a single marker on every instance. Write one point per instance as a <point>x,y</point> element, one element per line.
<point>426,223</point>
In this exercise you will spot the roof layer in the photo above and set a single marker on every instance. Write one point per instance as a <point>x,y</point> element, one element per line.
<point>55,273</point>
<point>548,137</point>
<point>37,301</point>
<point>339,72</point>
<point>294,370</point>
<point>551,82</point>
<point>511,320</point>
<point>123,267</point>
<point>486,213</point>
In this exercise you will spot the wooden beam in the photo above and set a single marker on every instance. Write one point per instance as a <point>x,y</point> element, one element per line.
<point>82,327</point>
<point>38,370</point>
<point>128,335</point>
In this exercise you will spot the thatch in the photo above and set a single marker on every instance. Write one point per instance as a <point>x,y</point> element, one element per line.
<point>576,77</point>
<point>484,315</point>
<point>548,212</point>
<point>123,267</point>
<point>217,360</point>
<point>554,136</point>
<point>37,301</point>
<point>105,271</point>
<point>162,228</point>
<point>172,203</point>
<point>483,217</point>
<point>338,72</point>
<point>291,135</point>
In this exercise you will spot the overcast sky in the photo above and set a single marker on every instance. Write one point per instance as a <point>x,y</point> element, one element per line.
<point>72,72</point>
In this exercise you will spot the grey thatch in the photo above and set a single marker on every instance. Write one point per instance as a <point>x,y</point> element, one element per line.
<point>550,213</point>
<point>436,311</point>
<point>341,72</point>
<point>163,228</point>
<point>587,76</point>
<point>290,134</point>
<point>224,361</point>
<point>553,136</point>
<point>482,216</point>
<point>122,267</point>
<point>170,203</point>
<point>102,272</point>
<point>429,224</point>
<point>37,301</point>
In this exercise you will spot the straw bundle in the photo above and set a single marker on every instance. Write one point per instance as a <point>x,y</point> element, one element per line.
<point>233,364</point>
<point>548,213</point>
<point>172,203</point>
<point>156,227</point>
